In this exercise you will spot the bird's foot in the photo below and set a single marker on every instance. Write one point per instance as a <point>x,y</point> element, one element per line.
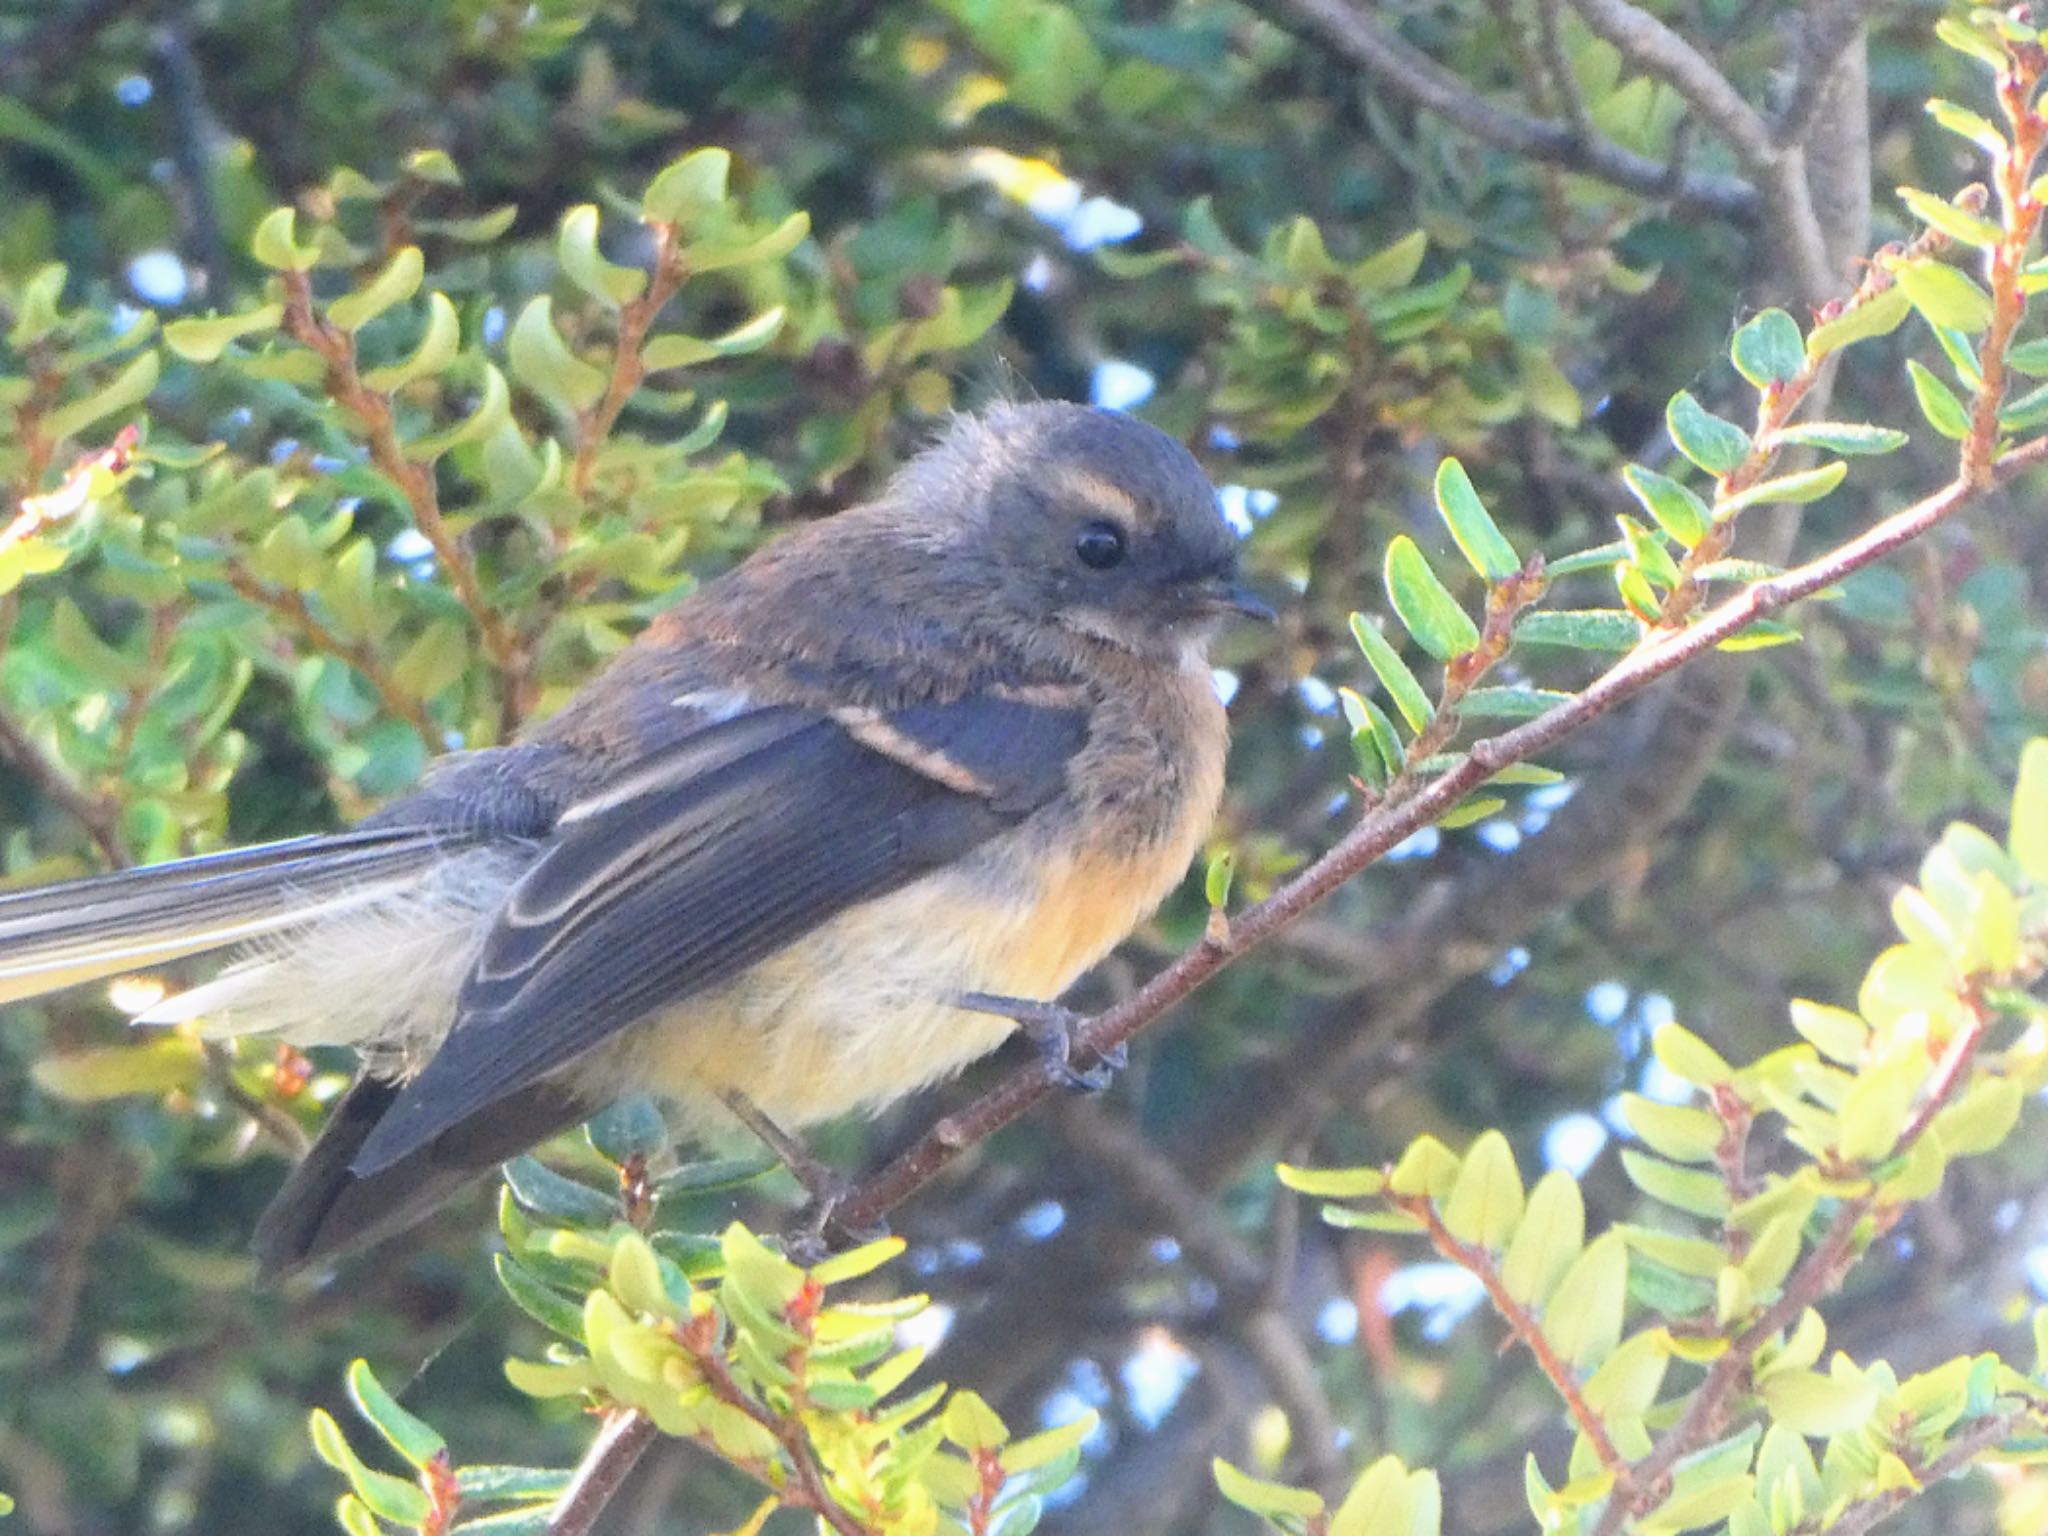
<point>808,1241</point>
<point>1052,1028</point>
<point>819,1232</point>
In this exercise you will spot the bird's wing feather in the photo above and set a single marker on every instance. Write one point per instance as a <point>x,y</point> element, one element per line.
<point>710,856</point>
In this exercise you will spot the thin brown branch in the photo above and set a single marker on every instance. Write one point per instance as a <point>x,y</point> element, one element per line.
<point>293,608</point>
<point>1347,29</point>
<point>415,482</point>
<point>1564,80</point>
<point>1964,1447</point>
<point>100,815</point>
<point>1392,824</point>
<point>269,1118</point>
<point>1523,1324</point>
<point>635,316</point>
<point>1830,31</point>
<point>1779,170</point>
<point>619,1445</point>
<point>1644,1484</point>
<point>1656,50</point>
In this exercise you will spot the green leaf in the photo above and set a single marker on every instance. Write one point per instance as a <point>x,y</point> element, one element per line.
<point>125,389</point>
<point>1769,349</point>
<point>1715,445</point>
<point>1393,267</point>
<point>1217,877</point>
<point>1625,1387</point>
<point>1774,1251</point>
<point>1425,606</point>
<point>1581,629</point>
<point>203,340</point>
<point>1551,1233</point>
<point>1333,1183</point>
<point>1808,1403</point>
<point>1981,1119</point>
<point>1515,703</point>
<point>1967,124</point>
<point>533,1520</point>
<point>37,306</point>
<point>1267,1500</point>
<point>409,1435</point>
<point>1836,1033</point>
<point>1485,1202</point>
<point>1944,296</point>
<point>2028,837</point>
<point>158,1064</point>
<point>972,1425</point>
<point>753,1267</point>
<point>1802,486</point>
<point>1393,673</point>
<point>1472,528</point>
<point>1843,437</point>
<point>1878,315</point>
<point>1904,980</point>
<point>434,166</point>
<point>1389,1500</point>
<point>1050,1444</point>
<point>1121,263</point>
<point>1958,224</point>
<point>1369,1221</point>
<point>1468,812</point>
<point>678,351</point>
<point>542,361</point>
<point>1428,1168</point>
<point>439,342</point>
<point>493,409</point>
<point>391,1497</point>
<point>1583,1321</point>
<point>1679,512</point>
<point>398,282</point>
<point>772,245</point>
<point>546,1306</point>
<point>855,1262</point>
<point>1687,1057</point>
<point>586,267</point>
<point>547,1193</point>
<point>1692,1190</point>
<point>275,245</point>
<point>1677,1131</point>
<point>687,189</point>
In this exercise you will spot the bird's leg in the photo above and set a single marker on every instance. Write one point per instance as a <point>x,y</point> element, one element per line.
<point>827,1187</point>
<point>1051,1027</point>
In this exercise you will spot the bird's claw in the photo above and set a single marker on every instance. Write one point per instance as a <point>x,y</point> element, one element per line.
<point>827,1188</point>
<point>1051,1027</point>
<point>810,1240</point>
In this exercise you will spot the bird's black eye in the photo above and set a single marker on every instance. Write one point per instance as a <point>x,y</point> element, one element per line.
<point>1100,545</point>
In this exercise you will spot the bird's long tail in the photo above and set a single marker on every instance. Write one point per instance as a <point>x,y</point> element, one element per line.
<point>84,930</point>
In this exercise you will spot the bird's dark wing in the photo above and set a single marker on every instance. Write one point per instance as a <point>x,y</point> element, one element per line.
<point>707,857</point>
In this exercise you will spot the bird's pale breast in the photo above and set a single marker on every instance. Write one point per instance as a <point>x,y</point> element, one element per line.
<point>855,1014</point>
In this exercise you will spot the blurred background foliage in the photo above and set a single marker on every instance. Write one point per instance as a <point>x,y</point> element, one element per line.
<point>264,615</point>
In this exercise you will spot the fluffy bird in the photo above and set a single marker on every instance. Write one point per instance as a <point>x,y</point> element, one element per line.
<point>958,740</point>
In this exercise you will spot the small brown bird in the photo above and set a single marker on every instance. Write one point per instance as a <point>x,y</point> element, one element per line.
<point>959,740</point>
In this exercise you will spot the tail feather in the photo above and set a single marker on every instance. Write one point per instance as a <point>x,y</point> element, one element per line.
<point>84,930</point>
<point>325,1211</point>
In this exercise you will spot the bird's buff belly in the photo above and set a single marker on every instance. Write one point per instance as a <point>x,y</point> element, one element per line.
<point>857,1013</point>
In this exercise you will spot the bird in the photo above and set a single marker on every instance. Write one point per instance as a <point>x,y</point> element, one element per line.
<point>796,851</point>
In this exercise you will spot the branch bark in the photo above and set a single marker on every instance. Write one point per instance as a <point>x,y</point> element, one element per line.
<point>1347,30</point>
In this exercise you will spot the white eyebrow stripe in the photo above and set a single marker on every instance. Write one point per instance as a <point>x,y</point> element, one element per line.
<point>1099,492</point>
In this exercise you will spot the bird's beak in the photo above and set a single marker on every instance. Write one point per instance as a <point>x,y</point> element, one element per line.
<point>1236,597</point>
